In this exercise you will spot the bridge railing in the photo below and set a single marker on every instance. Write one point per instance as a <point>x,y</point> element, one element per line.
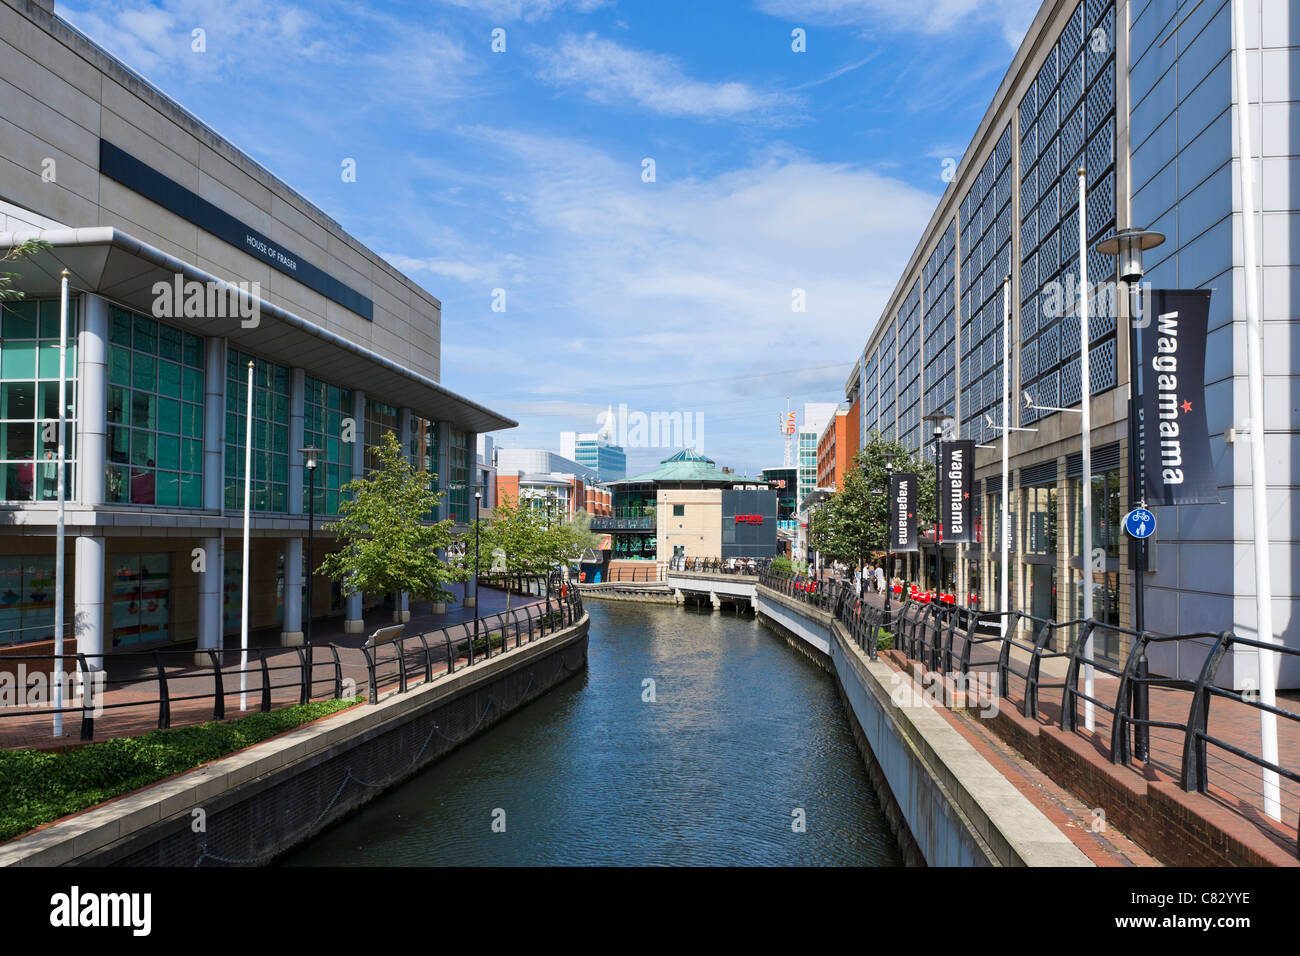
<point>738,566</point>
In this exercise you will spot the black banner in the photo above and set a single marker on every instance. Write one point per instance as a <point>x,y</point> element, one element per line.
<point>902,512</point>
<point>956,516</point>
<point>1173,442</point>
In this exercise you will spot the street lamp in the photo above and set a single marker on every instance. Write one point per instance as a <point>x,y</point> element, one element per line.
<point>1127,246</point>
<point>477,496</point>
<point>938,418</point>
<point>889,457</point>
<point>309,455</point>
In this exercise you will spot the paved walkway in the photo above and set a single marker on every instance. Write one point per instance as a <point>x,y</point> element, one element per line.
<point>131,697</point>
<point>1234,782</point>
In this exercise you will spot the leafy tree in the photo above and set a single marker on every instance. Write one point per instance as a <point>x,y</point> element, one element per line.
<point>854,523</point>
<point>386,546</point>
<point>20,250</point>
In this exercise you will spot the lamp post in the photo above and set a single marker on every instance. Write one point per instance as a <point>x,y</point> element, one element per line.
<point>310,454</point>
<point>938,418</point>
<point>477,496</point>
<point>889,457</point>
<point>1127,246</point>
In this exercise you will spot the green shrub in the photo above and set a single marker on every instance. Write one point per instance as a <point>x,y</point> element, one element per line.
<point>884,640</point>
<point>40,786</point>
<point>480,645</point>
<point>782,565</point>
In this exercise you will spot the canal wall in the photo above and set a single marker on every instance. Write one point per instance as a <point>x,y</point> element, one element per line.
<point>651,593</point>
<point>249,807</point>
<point>947,804</point>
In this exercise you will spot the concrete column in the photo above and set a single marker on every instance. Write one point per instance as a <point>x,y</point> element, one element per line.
<point>402,613</point>
<point>88,594</point>
<point>211,581</point>
<point>291,636</point>
<point>92,401</point>
<point>297,392</point>
<point>214,433</point>
<point>352,621</point>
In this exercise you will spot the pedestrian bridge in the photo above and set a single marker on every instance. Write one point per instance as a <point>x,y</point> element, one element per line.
<point>716,587</point>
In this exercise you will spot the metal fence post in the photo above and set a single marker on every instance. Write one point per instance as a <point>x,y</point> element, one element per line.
<point>164,700</point>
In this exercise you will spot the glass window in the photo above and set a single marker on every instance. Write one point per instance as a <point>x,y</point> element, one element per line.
<point>324,409</point>
<point>1040,519</point>
<point>458,485</point>
<point>380,418</point>
<point>26,599</point>
<point>270,436</point>
<point>148,416</point>
<point>423,452</point>
<point>29,400</point>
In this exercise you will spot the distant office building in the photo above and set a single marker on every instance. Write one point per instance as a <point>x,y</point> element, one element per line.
<point>486,479</point>
<point>815,417</point>
<point>511,461</point>
<point>594,450</point>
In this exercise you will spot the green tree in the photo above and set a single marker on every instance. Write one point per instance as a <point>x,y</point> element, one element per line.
<point>19,250</point>
<point>386,546</point>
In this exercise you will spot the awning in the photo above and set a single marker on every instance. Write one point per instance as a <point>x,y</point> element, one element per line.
<point>107,261</point>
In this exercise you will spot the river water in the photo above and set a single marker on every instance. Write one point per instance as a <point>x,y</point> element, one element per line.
<point>692,738</point>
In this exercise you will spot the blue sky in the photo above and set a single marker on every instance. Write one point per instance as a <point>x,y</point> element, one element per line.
<point>523,171</point>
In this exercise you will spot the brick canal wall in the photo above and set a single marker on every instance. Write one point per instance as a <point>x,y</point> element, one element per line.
<point>256,804</point>
<point>947,804</point>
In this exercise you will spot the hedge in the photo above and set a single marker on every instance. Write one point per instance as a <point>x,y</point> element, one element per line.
<point>40,786</point>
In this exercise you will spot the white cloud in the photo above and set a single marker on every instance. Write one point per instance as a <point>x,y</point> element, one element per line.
<point>1013,17</point>
<point>529,10</point>
<point>610,73</point>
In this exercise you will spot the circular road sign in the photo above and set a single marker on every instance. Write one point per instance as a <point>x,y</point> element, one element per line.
<point>1140,523</point>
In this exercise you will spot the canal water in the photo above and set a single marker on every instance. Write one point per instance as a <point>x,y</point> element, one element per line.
<point>737,753</point>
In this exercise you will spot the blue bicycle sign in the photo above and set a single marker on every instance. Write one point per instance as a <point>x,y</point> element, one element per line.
<point>1140,523</point>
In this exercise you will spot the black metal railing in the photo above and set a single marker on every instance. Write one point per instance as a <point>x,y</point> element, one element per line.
<point>947,638</point>
<point>314,673</point>
<point>746,566</point>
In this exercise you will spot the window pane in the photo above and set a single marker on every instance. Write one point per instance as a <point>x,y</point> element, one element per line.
<point>120,329</point>
<point>192,421</point>
<point>168,489</point>
<point>119,439</point>
<point>169,416</point>
<point>119,366</point>
<point>169,343</point>
<point>169,379</point>
<point>117,486</point>
<point>144,372</point>
<point>17,440</point>
<point>146,335</point>
<point>18,360</point>
<point>19,321</point>
<point>50,400</point>
<point>142,486</point>
<point>143,410</point>
<point>169,452</point>
<point>18,400</point>
<point>142,450</point>
<point>16,481</point>
<point>191,491</point>
<point>192,456</point>
<point>193,387</point>
<point>193,350</point>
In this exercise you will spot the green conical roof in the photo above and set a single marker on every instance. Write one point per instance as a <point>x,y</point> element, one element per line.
<point>688,466</point>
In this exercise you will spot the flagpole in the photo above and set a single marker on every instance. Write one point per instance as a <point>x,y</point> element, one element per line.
<point>1255,388</point>
<point>1005,535</point>
<point>248,488</point>
<point>1085,405</point>
<point>60,546</point>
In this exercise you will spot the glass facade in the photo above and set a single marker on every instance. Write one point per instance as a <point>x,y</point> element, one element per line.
<point>139,605</point>
<point>324,408</point>
<point>458,464</point>
<point>29,398</point>
<point>380,418</point>
<point>423,451</point>
<point>155,413</point>
<point>270,484</point>
<point>26,599</point>
<point>1067,120</point>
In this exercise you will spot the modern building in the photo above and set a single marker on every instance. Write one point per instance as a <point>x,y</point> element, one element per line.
<point>486,482</point>
<point>559,494</point>
<point>541,461</point>
<point>816,415</point>
<point>1141,95</point>
<point>837,446</point>
<point>597,452</point>
<point>686,508</point>
<point>159,220</point>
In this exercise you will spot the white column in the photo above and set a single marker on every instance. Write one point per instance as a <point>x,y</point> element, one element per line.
<point>211,583</point>
<point>88,594</point>
<point>214,427</point>
<point>353,622</point>
<point>92,400</point>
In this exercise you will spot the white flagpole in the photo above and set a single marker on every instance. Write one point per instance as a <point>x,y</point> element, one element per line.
<point>1004,539</point>
<point>59,547</point>
<point>248,489</point>
<point>1085,404</point>
<point>1255,388</point>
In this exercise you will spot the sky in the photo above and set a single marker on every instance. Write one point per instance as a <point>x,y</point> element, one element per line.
<point>618,202</point>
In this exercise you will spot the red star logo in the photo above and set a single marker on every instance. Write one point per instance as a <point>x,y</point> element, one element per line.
<point>1187,407</point>
<point>966,495</point>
